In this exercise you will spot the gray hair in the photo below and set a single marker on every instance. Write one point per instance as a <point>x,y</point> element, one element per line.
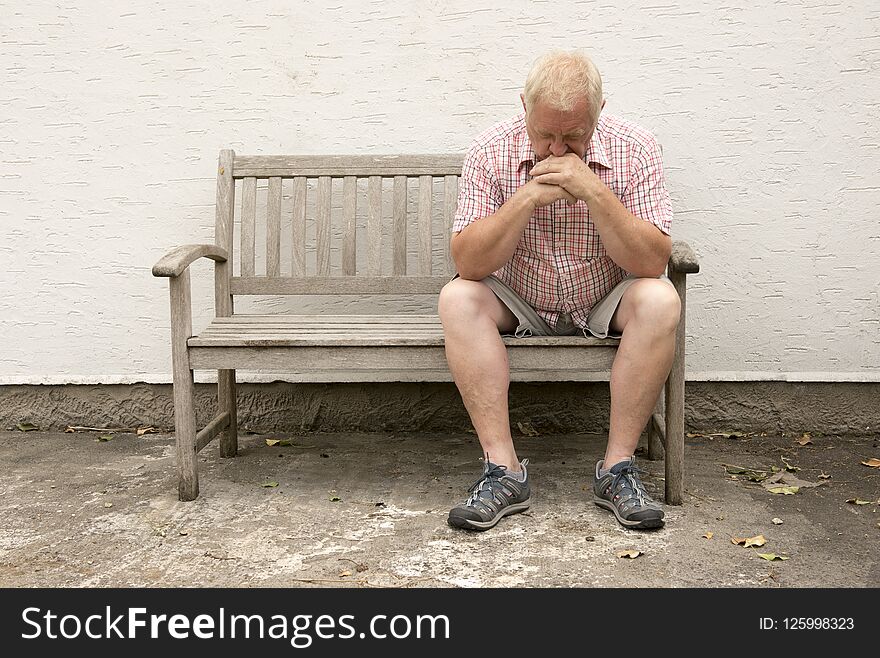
<point>561,79</point>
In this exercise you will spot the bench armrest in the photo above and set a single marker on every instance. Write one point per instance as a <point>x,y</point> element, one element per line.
<point>682,259</point>
<point>178,259</point>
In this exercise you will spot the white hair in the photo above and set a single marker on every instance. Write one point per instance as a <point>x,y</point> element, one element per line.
<point>561,79</point>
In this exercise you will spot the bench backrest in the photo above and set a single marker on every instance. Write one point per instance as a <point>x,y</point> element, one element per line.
<point>305,215</point>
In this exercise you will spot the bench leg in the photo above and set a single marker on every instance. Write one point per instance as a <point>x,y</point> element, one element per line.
<point>226,402</point>
<point>675,406</point>
<point>656,429</point>
<point>184,406</point>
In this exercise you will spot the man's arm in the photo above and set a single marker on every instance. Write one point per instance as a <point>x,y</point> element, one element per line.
<point>485,245</point>
<point>638,246</point>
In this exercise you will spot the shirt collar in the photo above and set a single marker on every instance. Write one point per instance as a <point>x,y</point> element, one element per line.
<point>595,150</point>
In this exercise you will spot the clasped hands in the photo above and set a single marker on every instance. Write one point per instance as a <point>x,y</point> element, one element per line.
<point>565,177</point>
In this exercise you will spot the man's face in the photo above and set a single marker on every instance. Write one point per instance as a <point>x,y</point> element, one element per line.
<point>554,132</point>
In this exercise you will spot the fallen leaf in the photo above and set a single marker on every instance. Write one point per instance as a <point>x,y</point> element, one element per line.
<point>708,535</point>
<point>105,437</point>
<point>528,429</point>
<point>857,501</point>
<point>824,476</point>
<point>757,540</point>
<point>335,499</point>
<point>805,439</point>
<point>788,491</point>
<point>772,556</point>
<point>108,504</point>
<point>777,521</point>
<point>343,574</point>
<point>751,474</point>
<point>631,554</point>
<point>269,484</point>
<point>273,442</point>
<point>786,479</point>
<point>69,430</point>
<point>788,466</point>
<point>184,533</point>
<point>146,430</point>
<point>27,427</point>
<point>730,435</point>
<point>873,463</point>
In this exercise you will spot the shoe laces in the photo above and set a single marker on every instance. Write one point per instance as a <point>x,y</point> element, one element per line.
<point>628,476</point>
<point>491,474</point>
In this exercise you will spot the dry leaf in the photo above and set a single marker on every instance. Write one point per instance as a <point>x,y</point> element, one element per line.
<point>873,463</point>
<point>777,521</point>
<point>708,535</point>
<point>824,476</point>
<point>146,430</point>
<point>27,427</point>
<point>108,504</point>
<point>269,484</point>
<point>805,439</point>
<point>857,501</point>
<point>527,429</point>
<point>343,574</point>
<point>788,491</point>
<point>788,466</point>
<point>757,540</point>
<point>69,430</point>
<point>631,554</point>
<point>786,479</point>
<point>772,556</point>
<point>335,499</point>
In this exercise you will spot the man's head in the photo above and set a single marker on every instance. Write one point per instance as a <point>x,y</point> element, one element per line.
<point>562,99</point>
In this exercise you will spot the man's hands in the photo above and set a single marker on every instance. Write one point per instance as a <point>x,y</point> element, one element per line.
<point>568,173</point>
<point>543,194</point>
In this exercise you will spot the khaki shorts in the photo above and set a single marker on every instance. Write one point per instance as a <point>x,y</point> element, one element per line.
<point>531,324</point>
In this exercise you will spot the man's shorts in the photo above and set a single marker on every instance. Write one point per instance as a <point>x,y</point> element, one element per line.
<point>532,324</point>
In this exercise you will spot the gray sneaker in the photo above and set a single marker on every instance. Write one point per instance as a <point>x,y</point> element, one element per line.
<point>621,491</point>
<point>495,495</point>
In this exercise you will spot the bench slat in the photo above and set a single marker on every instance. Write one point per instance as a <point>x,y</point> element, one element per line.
<point>338,285</point>
<point>426,194</point>
<point>398,226</point>
<point>349,224</point>
<point>273,228</point>
<point>300,192</point>
<point>450,200</point>
<point>322,226</point>
<point>248,225</point>
<point>264,166</point>
<point>374,226</point>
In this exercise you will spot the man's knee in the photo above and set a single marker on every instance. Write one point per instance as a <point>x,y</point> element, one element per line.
<point>656,303</point>
<point>463,297</point>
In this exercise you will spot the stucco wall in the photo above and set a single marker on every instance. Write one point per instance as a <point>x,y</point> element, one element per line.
<point>112,115</point>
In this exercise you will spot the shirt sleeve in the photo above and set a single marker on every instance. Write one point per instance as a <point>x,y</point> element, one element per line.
<point>479,194</point>
<point>646,196</point>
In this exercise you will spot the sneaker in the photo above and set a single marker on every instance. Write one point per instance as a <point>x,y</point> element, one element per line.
<point>495,495</point>
<point>621,491</point>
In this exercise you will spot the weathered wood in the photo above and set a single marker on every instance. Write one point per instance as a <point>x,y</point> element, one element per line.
<point>338,166</point>
<point>175,262</point>
<point>426,236</point>
<point>338,285</point>
<point>656,434</point>
<point>322,226</point>
<point>300,191</point>
<point>273,228</point>
<point>675,404</point>
<point>211,430</point>
<point>398,227</point>
<point>374,226</point>
<point>248,225</point>
<point>184,407</point>
<point>226,403</point>
<point>564,363</point>
<point>450,201</point>
<point>349,226</point>
<point>683,258</point>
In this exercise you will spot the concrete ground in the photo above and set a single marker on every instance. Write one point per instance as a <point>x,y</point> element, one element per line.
<point>370,511</point>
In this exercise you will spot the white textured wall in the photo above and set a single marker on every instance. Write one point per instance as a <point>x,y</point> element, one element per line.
<point>112,114</point>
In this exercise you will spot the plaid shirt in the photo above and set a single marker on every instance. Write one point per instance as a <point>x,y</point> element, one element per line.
<point>560,264</point>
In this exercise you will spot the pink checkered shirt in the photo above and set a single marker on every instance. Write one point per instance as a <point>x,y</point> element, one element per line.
<point>560,263</point>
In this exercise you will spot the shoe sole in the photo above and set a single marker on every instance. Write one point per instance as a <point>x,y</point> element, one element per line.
<point>644,524</point>
<point>468,524</point>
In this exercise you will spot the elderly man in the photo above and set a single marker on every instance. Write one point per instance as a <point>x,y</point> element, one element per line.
<point>562,227</point>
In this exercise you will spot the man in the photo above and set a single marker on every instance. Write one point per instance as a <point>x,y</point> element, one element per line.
<point>562,227</point>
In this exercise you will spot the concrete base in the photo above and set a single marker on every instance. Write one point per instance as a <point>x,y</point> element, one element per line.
<point>356,510</point>
<point>827,408</point>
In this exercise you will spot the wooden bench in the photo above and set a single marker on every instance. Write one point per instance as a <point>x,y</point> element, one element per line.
<point>407,253</point>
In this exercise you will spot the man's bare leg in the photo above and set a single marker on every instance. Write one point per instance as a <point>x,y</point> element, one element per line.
<point>473,318</point>
<point>647,316</point>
